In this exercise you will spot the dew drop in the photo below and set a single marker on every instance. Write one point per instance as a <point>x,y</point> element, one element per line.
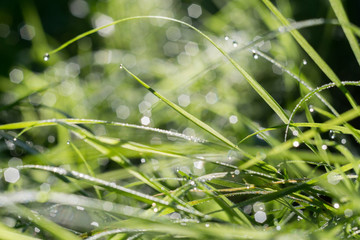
<point>304,62</point>
<point>156,209</point>
<point>343,141</point>
<point>333,178</point>
<point>336,205</point>
<point>255,56</point>
<point>235,43</point>
<point>207,225</point>
<point>121,66</point>
<point>296,144</point>
<point>324,147</point>
<point>68,142</point>
<point>311,108</point>
<point>278,228</point>
<point>332,134</point>
<point>237,172</point>
<point>295,132</point>
<point>15,139</point>
<point>227,38</point>
<point>46,57</point>
<point>95,224</point>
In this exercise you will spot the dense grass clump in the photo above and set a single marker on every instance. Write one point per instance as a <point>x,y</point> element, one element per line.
<point>218,125</point>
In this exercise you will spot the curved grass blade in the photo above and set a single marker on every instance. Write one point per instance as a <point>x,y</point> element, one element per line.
<point>52,122</point>
<point>317,90</point>
<point>112,187</point>
<point>312,53</point>
<point>255,85</point>
<point>7,233</point>
<point>57,231</point>
<point>187,115</point>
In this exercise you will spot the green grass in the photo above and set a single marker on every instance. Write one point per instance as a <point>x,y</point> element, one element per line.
<point>261,151</point>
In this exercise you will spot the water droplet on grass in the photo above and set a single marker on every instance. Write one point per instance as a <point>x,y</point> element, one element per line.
<point>235,43</point>
<point>237,172</point>
<point>343,141</point>
<point>156,209</point>
<point>255,56</point>
<point>46,57</point>
<point>95,224</point>
<point>336,205</point>
<point>304,62</point>
<point>311,108</point>
<point>324,147</point>
<point>333,178</point>
<point>332,134</point>
<point>227,38</point>
<point>207,225</point>
<point>121,66</point>
<point>68,142</point>
<point>15,139</point>
<point>296,144</point>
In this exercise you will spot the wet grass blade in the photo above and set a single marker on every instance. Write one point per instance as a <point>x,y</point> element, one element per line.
<point>338,8</point>
<point>7,233</point>
<point>312,53</point>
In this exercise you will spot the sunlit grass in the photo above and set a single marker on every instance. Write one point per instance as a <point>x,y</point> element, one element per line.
<point>210,151</point>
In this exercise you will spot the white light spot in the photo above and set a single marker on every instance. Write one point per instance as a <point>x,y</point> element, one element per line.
<point>16,76</point>
<point>173,33</point>
<point>348,213</point>
<point>211,98</point>
<point>333,178</point>
<point>80,208</point>
<point>259,206</point>
<point>304,62</point>
<point>100,20</point>
<point>145,120</point>
<point>95,224</point>
<point>184,100</point>
<point>194,11</point>
<point>278,228</point>
<point>295,133</point>
<point>27,32</point>
<point>207,225</point>
<point>233,119</point>
<point>336,205</point>
<point>311,108</point>
<point>260,216</point>
<point>324,147</point>
<point>199,164</point>
<point>191,49</point>
<point>343,141</point>
<point>11,175</point>
<point>37,230</point>
<point>122,112</point>
<point>79,8</point>
<point>296,144</point>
